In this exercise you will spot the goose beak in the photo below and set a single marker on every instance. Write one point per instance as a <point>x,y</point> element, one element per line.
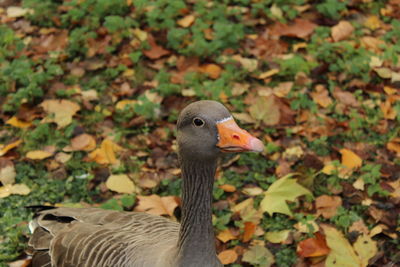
<point>234,139</point>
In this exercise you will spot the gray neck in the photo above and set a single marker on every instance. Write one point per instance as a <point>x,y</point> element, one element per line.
<point>196,237</point>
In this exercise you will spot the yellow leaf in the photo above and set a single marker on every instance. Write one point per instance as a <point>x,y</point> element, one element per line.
<point>227,256</point>
<point>157,205</point>
<point>60,111</point>
<point>384,73</point>
<point>14,121</point>
<point>259,256</point>
<point>38,154</point>
<point>365,248</point>
<point>16,11</point>
<point>106,153</point>
<point>121,104</point>
<point>350,159</point>
<point>186,21</point>
<point>329,168</point>
<point>212,70</point>
<point>226,235</point>
<point>282,190</point>
<point>5,148</point>
<point>342,253</point>
<point>373,22</point>
<point>7,172</point>
<point>277,236</point>
<point>16,189</point>
<point>268,74</point>
<point>120,183</point>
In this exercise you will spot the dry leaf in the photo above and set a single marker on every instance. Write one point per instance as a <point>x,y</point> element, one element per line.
<point>321,97</point>
<point>300,28</point>
<point>249,230</point>
<point>228,188</point>
<point>38,154</point>
<point>212,70</point>
<point>7,172</point>
<point>60,111</point>
<point>259,256</point>
<point>14,121</point>
<point>350,159</point>
<point>227,256</point>
<point>266,109</point>
<point>156,51</point>
<point>277,236</point>
<point>373,22</point>
<point>5,148</point>
<point>16,189</point>
<point>126,102</point>
<point>186,21</point>
<point>366,248</point>
<point>313,247</point>
<point>16,11</point>
<point>249,64</point>
<point>393,145</point>
<point>106,153</point>
<point>342,31</point>
<point>82,142</point>
<point>226,235</point>
<point>120,183</point>
<point>157,205</point>
<point>327,205</point>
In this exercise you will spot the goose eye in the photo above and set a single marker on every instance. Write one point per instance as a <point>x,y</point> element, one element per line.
<point>198,122</point>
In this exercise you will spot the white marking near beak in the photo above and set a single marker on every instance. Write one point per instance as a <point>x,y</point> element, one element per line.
<point>225,119</point>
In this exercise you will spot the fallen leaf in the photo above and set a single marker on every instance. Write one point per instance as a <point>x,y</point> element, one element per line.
<point>15,189</point>
<point>259,256</point>
<point>120,183</point>
<point>227,256</point>
<point>249,64</point>
<point>342,31</point>
<point>282,190</point>
<point>212,70</point>
<point>59,111</point>
<point>341,252</point>
<point>156,51</point>
<point>366,248</point>
<point>313,247</point>
<point>384,73</point>
<point>226,235</point>
<point>277,236</point>
<point>157,205</point>
<point>16,11</point>
<point>373,22</point>
<point>5,148</point>
<point>123,103</point>
<point>307,227</point>
<point>350,159</point>
<point>228,188</point>
<point>38,154</point>
<point>106,153</point>
<point>82,142</point>
<point>14,121</point>
<point>268,74</point>
<point>7,171</point>
<point>300,28</point>
<point>321,97</point>
<point>359,226</point>
<point>186,21</point>
<point>252,191</point>
<point>393,145</point>
<point>327,205</point>
<point>249,230</point>
<point>266,109</point>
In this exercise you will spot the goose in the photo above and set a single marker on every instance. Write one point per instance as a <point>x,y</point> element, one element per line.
<point>92,237</point>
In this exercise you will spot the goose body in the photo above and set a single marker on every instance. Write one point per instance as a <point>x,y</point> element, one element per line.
<point>72,237</point>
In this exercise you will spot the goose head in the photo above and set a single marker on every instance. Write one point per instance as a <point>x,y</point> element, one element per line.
<point>206,128</point>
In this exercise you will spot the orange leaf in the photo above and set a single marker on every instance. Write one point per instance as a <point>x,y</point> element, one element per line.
<point>227,256</point>
<point>212,70</point>
<point>157,205</point>
<point>5,148</point>
<point>327,205</point>
<point>350,159</point>
<point>155,51</point>
<point>393,145</point>
<point>228,188</point>
<point>301,28</point>
<point>313,247</point>
<point>14,121</point>
<point>226,235</point>
<point>106,153</point>
<point>249,230</point>
<point>38,154</point>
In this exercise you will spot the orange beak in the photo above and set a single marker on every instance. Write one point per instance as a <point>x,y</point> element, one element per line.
<point>234,139</point>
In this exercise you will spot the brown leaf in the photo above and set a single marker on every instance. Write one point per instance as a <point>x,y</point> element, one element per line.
<point>186,21</point>
<point>266,109</point>
<point>393,145</point>
<point>300,28</point>
<point>327,205</point>
<point>82,142</point>
<point>227,256</point>
<point>156,51</point>
<point>313,247</point>
<point>212,70</point>
<point>157,205</point>
<point>342,31</point>
<point>345,97</point>
<point>321,96</point>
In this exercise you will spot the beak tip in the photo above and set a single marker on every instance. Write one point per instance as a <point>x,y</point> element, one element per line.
<point>256,145</point>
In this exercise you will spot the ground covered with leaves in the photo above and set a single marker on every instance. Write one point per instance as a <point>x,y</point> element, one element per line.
<point>90,92</point>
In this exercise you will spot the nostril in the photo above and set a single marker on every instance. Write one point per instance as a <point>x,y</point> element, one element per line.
<point>235,136</point>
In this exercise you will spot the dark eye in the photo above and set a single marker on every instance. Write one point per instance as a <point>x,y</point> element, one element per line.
<point>198,122</point>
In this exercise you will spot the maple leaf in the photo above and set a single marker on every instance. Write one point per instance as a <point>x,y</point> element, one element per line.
<point>366,248</point>
<point>60,111</point>
<point>157,205</point>
<point>282,190</point>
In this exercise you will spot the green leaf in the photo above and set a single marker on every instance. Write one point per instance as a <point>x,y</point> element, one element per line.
<point>284,189</point>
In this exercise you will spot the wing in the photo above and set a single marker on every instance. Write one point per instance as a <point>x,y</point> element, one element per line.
<point>96,237</point>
